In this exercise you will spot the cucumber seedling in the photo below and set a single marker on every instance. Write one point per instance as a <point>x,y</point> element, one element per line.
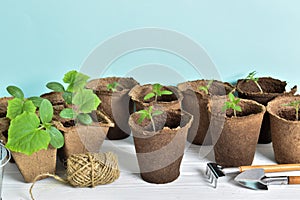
<point>296,105</point>
<point>232,104</point>
<point>157,92</point>
<point>255,80</point>
<point>112,86</point>
<point>30,132</point>
<point>148,114</point>
<point>83,101</point>
<point>206,87</point>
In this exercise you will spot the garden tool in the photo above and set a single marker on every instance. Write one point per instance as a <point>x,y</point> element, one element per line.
<point>214,171</point>
<point>255,179</point>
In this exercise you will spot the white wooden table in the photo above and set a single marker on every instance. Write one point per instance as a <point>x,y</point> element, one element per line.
<point>192,184</point>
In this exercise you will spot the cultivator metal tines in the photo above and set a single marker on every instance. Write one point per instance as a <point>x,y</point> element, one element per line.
<point>214,171</point>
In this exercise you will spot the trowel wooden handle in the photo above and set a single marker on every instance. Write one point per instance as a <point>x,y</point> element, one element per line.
<point>294,179</point>
<point>273,168</point>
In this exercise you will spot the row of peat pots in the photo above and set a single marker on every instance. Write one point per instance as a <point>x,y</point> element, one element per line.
<point>161,119</point>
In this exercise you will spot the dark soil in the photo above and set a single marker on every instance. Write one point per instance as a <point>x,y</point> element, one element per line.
<point>247,109</point>
<point>288,114</point>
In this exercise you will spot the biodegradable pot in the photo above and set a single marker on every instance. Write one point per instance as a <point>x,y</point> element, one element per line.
<point>117,105</point>
<point>235,138</point>
<point>195,102</point>
<point>81,138</point>
<point>271,88</point>
<point>285,130</point>
<point>165,102</point>
<point>160,152</point>
<point>41,162</point>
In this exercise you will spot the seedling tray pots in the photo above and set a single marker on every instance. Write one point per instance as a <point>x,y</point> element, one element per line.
<point>285,129</point>
<point>235,138</point>
<point>117,104</point>
<point>160,152</point>
<point>271,88</point>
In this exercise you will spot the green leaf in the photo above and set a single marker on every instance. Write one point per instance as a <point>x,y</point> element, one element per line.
<point>29,106</point>
<point>36,101</point>
<point>76,80</point>
<point>67,113</point>
<point>57,138</point>
<point>85,119</point>
<point>157,112</point>
<point>149,96</point>
<point>231,97</point>
<point>14,108</point>
<point>15,92</point>
<point>67,97</point>
<point>86,101</point>
<point>238,108</point>
<point>204,88</point>
<point>141,119</point>
<point>166,92</point>
<point>24,135</point>
<point>46,111</point>
<point>55,86</point>
<point>156,87</point>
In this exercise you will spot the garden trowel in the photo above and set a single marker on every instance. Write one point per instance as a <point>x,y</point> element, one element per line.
<point>256,179</point>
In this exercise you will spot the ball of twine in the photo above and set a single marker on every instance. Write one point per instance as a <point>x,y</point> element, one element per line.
<point>87,170</point>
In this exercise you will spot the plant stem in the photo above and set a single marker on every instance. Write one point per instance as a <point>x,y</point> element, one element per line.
<point>153,124</point>
<point>156,98</point>
<point>260,89</point>
<point>234,112</point>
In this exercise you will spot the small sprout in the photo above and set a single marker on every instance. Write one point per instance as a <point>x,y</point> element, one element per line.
<point>148,114</point>
<point>255,80</point>
<point>296,105</point>
<point>157,92</point>
<point>206,88</point>
<point>112,86</point>
<point>232,104</point>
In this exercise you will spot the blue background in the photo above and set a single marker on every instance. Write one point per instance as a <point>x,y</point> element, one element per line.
<point>41,40</point>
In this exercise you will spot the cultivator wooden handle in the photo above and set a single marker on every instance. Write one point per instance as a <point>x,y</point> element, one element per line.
<point>273,168</point>
<point>294,179</point>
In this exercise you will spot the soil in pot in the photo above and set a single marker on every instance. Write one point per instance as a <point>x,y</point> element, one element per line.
<point>41,162</point>
<point>165,102</point>
<point>117,105</point>
<point>54,97</point>
<point>4,121</point>
<point>195,102</point>
<point>235,138</point>
<point>285,130</point>
<point>160,153</point>
<point>80,138</point>
<point>271,88</point>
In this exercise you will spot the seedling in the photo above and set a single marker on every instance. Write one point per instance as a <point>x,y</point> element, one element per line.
<point>84,101</point>
<point>206,88</point>
<point>232,104</point>
<point>112,86</point>
<point>29,132</point>
<point>255,80</point>
<point>157,92</point>
<point>296,105</point>
<point>148,114</point>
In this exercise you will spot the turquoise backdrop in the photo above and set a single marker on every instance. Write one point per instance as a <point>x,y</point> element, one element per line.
<point>41,40</point>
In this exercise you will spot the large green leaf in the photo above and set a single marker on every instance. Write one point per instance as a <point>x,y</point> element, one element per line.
<point>149,96</point>
<point>24,135</point>
<point>67,113</point>
<point>46,111</point>
<point>36,101</point>
<point>76,80</point>
<point>57,138</point>
<point>85,119</point>
<point>17,106</point>
<point>55,86</point>
<point>15,92</point>
<point>86,101</point>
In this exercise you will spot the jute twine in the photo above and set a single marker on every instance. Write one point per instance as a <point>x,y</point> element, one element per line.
<point>87,170</point>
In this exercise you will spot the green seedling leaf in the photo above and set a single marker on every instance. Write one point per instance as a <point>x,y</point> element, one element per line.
<point>57,138</point>
<point>166,92</point>
<point>149,96</point>
<point>17,106</point>
<point>68,113</point>
<point>255,80</point>
<point>86,101</point>
<point>232,104</point>
<point>46,111</point>
<point>238,108</point>
<point>76,80</point>
<point>36,101</point>
<point>15,92</point>
<point>67,97</point>
<point>143,114</point>
<point>55,86</point>
<point>24,135</point>
<point>231,97</point>
<point>157,112</point>
<point>112,86</point>
<point>85,119</point>
<point>206,88</point>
